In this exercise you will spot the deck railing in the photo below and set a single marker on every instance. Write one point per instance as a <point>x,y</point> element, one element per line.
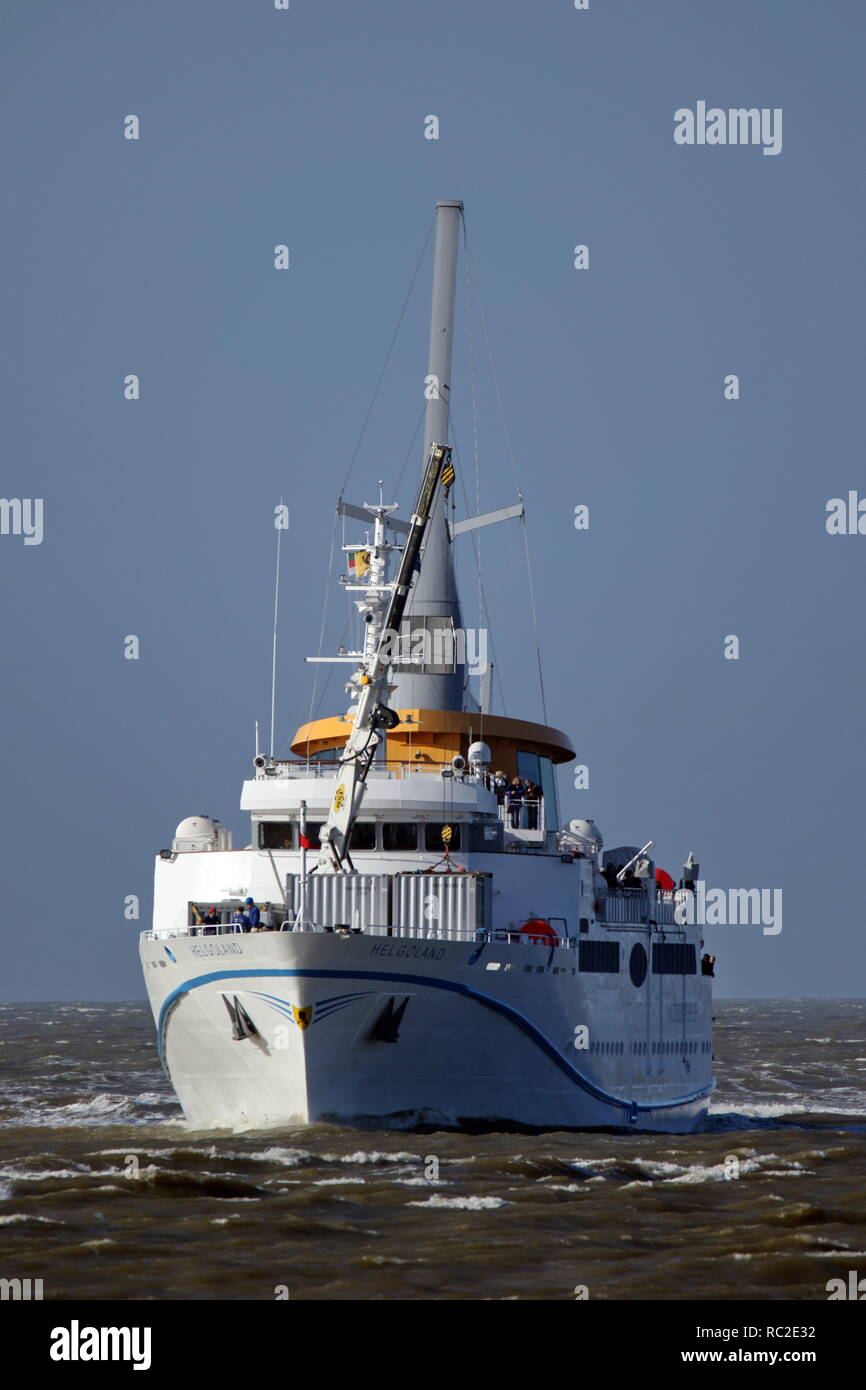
<point>277,770</point>
<point>527,814</point>
<point>495,936</point>
<point>634,906</point>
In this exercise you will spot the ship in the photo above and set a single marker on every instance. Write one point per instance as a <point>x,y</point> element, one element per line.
<point>412,938</point>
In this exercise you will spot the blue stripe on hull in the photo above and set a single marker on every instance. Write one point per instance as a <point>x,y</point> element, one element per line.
<point>496,1005</point>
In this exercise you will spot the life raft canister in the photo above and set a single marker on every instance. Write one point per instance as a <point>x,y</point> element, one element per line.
<point>540,932</point>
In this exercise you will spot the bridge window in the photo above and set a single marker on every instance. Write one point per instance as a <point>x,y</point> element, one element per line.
<point>399,835</point>
<point>363,835</point>
<point>276,834</point>
<point>673,958</point>
<point>540,771</point>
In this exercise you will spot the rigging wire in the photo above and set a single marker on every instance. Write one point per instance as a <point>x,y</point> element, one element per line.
<point>511,455</point>
<point>333,665</point>
<point>485,609</point>
<point>387,357</point>
<point>374,398</point>
<point>326,597</point>
<point>534,617</point>
<point>409,452</point>
<point>274,648</point>
<point>474,383</point>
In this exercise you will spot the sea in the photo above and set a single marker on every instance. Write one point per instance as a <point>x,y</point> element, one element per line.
<point>106,1193</point>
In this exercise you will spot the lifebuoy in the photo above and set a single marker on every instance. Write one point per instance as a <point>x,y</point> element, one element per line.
<point>540,932</point>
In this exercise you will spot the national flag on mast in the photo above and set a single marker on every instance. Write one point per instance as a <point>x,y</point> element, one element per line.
<point>359,563</point>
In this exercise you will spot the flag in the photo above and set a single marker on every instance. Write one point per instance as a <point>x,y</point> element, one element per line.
<point>359,563</point>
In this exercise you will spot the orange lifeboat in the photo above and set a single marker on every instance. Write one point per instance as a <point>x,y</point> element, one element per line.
<point>540,933</point>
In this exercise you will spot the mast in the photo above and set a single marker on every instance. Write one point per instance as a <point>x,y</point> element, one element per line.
<point>435,604</point>
<point>442,321</point>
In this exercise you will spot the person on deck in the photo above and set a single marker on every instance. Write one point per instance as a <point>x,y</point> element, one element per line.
<point>240,921</point>
<point>253,915</point>
<point>533,796</point>
<point>514,796</point>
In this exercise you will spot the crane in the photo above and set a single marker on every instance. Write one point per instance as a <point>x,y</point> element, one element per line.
<point>372,714</point>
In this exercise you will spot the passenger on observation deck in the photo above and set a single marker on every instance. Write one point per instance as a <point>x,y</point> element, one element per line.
<point>500,786</point>
<point>253,915</point>
<point>514,797</point>
<point>533,799</point>
<point>211,922</point>
<point>240,921</point>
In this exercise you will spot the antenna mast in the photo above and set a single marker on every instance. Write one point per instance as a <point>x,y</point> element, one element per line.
<point>276,611</point>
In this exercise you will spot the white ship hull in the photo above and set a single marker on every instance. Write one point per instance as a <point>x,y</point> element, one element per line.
<point>473,1044</point>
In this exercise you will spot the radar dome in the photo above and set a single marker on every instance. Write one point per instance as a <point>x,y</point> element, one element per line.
<point>587,830</point>
<point>195,832</point>
<point>581,837</point>
<point>479,755</point>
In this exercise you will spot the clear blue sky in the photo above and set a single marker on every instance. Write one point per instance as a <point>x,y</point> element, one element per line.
<point>707,517</point>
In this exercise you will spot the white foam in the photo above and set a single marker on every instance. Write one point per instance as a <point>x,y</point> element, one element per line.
<point>287,1158</point>
<point>45,1174</point>
<point>340,1182</point>
<point>835,1254</point>
<point>462,1203</point>
<point>19,1217</point>
<point>374,1157</point>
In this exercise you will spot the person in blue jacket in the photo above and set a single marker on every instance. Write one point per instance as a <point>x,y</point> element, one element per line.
<point>252,914</point>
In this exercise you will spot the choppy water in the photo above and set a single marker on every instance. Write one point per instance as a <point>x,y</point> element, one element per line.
<point>105,1193</point>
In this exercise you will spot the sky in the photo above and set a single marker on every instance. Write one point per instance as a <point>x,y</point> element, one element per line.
<point>707,515</point>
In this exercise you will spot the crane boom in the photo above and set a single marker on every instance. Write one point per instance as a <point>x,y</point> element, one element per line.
<point>371,713</point>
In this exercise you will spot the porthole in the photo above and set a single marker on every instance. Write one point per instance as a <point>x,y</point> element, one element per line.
<point>637,965</point>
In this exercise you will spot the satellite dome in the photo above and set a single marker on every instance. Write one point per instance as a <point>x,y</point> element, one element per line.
<point>479,755</point>
<point>581,837</point>
<point>586,830</point>
<point>196,832</point>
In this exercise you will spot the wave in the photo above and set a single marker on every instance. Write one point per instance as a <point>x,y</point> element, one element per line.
<point>462,1203</point>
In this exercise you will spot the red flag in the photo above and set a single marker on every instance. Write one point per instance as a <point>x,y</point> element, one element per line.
<point>305,843</point>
